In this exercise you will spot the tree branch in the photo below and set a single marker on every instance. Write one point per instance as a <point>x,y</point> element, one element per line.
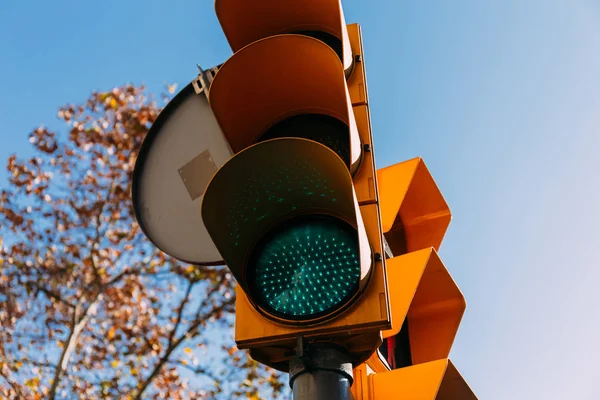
<point>180,312</point>
<point>197,370</point>
<point>122,275</point>
<point>78,322</point>
<point>50,293</point>
<point>12,384</point>
<point>190,332</point>
<point>212,290</point>
<point>98,234</point>
<point>39,363</point>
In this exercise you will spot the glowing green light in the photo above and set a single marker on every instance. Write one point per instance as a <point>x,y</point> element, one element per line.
<point>306,275</point>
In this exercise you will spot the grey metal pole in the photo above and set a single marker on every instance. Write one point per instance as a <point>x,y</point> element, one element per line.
<point>320,372</point>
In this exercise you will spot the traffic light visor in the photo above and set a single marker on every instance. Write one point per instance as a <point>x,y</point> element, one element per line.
<point>414,214</point>
<point>281,82</point>
<point>422,290</point>
<point>439,380</point>
<point>283,215</point>
<point>245,21</point>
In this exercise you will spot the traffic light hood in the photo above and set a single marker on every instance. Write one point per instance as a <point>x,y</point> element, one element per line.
<point>245,21</point>
<point>422,290</point>
<point>414,214</point>
<point>435,380</point>
<point>279,78</point>
<point>271,183</point>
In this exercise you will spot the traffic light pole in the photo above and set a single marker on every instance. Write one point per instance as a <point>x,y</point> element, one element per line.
<point>320,372</point>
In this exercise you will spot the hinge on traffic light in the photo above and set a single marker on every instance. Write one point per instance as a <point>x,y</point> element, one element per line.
<point>202,82</point>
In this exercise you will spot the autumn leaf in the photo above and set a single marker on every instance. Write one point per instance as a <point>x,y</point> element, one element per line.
<point>172,88</point>
<point>33,382</point>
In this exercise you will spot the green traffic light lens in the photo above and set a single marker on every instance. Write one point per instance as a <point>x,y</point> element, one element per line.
<point>306,268</point>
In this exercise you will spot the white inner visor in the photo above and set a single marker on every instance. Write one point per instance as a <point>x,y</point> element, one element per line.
<point>183,150</point>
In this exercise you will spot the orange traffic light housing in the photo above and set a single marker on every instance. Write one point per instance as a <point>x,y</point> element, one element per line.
<point>414,213</point>
<point>292,105</point>
<point>434,380</point>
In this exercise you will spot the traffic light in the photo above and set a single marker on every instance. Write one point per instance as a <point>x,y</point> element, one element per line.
<point>426,304</point>
<point>275,147</point>
<point>294,212</point>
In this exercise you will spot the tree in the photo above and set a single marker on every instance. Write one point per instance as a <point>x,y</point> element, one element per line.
<point>88,307</point>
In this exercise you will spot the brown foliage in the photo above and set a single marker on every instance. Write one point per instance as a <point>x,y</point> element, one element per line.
<point>88,307</point>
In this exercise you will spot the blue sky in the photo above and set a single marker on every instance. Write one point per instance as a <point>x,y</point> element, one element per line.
<point>500,98</point>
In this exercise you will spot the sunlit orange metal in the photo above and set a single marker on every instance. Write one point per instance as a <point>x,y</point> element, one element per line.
<point>360,386</point>
<point>435,380</point>
<point>454,386</point>
<point>419,382</point>
<point>365,178</point>
<point>277,78</point>
<point>245,21</point>
<point>422,290</point>
<point>414,214</point>
<point>357,82</point>
<point>377,363</point>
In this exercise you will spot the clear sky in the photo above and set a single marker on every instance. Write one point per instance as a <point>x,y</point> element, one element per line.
<point>501,98</point>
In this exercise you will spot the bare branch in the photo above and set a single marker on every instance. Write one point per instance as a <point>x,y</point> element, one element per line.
<point>13,385</point>
<point>209,294</point>
<point>49,293</point>
<point>78,323</point>
<point>122,275</point>
<point>99,235</point>
<point>38,363</point>
<point>190,332</point>
<point>196,370</point>
<point>180,312</point>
